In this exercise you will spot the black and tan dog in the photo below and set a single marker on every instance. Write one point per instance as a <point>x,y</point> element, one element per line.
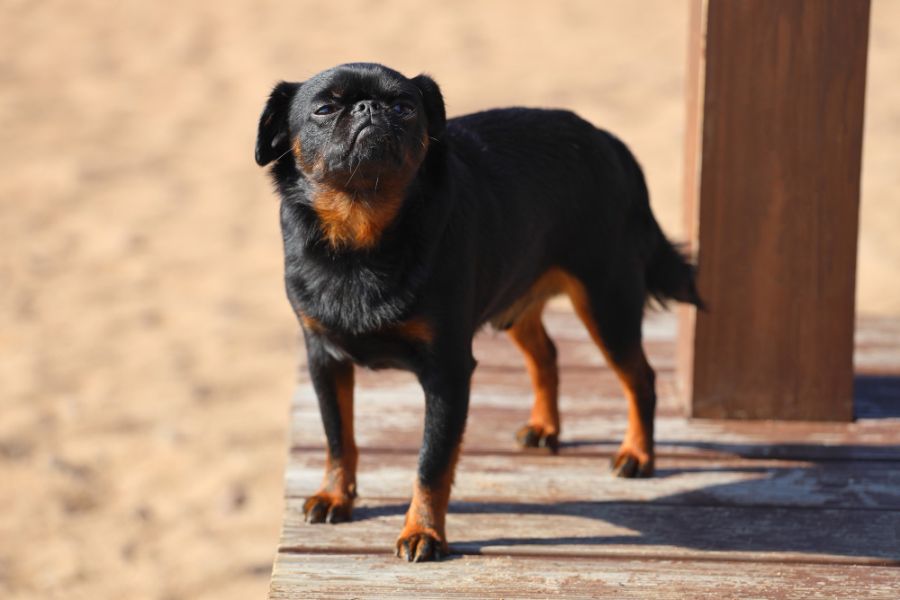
<point>405,232</point>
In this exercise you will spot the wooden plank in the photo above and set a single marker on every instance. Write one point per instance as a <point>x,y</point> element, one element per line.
<point>534,525</point>
<point>391,419</point>
<point>354,576</point>
<point>678,482</point>
<point>694,82</point>
<point>774,178</point>
<point>620,529</point>
<point>389,404</point>
<point>492,431</point>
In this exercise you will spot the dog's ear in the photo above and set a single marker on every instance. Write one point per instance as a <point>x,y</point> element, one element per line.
<point>272,137</point>
<point>434,105</point>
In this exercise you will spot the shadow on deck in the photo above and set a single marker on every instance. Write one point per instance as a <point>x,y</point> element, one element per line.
<point>799,509</point>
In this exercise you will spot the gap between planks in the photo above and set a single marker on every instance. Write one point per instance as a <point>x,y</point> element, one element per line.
<point>631,503</point>
<point>788,452</point>
<point>612,557</point>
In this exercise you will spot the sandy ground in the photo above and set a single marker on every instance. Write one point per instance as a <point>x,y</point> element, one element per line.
<point>147,354</point>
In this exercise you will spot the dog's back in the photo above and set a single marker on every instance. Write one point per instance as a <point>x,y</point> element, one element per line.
<point>546,188</point>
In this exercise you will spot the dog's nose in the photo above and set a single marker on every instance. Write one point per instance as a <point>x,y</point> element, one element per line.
<point>369,106</point>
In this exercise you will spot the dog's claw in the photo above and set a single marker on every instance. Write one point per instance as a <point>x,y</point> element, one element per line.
<point>323,508</point>
<point>625,464</point>
<point>533,436</point>
<point>337,514</point>
<point>420,547</point>
<point>316,512</point>
<point>424,550</point>
<point>403,550</point>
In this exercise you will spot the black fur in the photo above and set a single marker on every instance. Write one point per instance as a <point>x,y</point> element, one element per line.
<point>499,198</point>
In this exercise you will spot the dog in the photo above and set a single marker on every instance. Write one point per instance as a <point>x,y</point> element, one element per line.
<point>405,232</point>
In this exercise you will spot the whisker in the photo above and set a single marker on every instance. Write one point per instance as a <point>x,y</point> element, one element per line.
<point>353,173</point>
<point>283,154</point>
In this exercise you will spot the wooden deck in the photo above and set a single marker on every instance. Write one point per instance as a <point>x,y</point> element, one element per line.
<point>737,509</point>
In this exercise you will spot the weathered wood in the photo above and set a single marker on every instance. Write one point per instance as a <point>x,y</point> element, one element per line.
<point>679,482</point>
<point>806,509</point>
<point>392,420</point>
<point>389,404</point>
<point>377,576</point>
<point>623,529</point>
<point>774,146</point>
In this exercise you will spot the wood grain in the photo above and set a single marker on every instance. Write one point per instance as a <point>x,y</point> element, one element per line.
<point>623,529</point>
<point>774,190</point>
<point>678,482</point>
<point>392,420</point>
<point>377,576</point>
<point>738,508</point>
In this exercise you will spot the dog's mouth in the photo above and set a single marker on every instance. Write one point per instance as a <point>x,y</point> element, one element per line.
<point>368,136</point>
<point>371,152</point>
<point>371,143</point>
<point>365,131</point>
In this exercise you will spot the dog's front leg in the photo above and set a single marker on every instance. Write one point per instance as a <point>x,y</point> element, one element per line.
<point>446,404</point>
<point>333,382</point>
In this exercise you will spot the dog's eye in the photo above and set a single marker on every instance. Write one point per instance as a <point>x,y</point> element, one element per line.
<point>325,109</point>
<point>402,108</point>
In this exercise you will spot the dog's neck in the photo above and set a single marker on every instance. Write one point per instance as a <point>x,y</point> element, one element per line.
<point>353,214</point>
<point>358,287</point>
<point>356,219</point>
<point>341,267</point>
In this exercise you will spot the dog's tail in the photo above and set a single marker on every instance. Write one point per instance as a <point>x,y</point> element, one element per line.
<point>670,275</point>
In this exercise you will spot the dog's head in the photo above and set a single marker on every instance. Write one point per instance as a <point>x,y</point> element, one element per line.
<point>353,125</point>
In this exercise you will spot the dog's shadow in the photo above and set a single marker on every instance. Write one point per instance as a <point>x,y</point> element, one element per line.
<point>810,509</point>
<point>876,396</point>
<point>843,500</point>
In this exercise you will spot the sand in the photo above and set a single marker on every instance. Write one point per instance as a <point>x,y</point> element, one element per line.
<point>147,354</point>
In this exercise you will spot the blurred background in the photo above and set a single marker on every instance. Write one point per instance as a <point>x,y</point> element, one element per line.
<point>147,353</point>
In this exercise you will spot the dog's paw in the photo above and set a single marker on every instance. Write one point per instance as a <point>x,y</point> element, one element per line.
<point>420,544</point>
<point>324,507</point>
<point>632,463</point>
<point>534,436</point>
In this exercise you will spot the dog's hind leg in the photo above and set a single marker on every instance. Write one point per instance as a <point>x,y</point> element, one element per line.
<point>528,333</point>
<point>613,316</point>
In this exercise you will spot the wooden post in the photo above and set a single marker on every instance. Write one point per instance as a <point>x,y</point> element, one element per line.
<point>773,150</point>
